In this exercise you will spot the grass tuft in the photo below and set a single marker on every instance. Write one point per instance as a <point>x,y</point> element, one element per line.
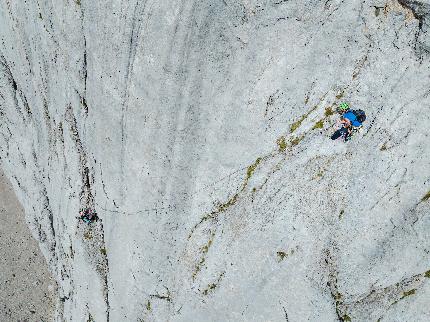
<point>282,144</point>
<point>426,197</point>
<point>318,125</point>
<point>297,140</point>
<point>328,111</point>
<point>408,293</point>
<point>252,168</point>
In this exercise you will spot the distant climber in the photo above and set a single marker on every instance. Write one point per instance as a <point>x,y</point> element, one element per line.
<point>351,121</point>
<point>88,215</point>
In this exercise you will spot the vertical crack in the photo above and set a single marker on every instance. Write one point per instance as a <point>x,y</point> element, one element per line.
<point>86,196</point>
<point>333,286</point>
<point>9,76</point>
<point>84,72</point>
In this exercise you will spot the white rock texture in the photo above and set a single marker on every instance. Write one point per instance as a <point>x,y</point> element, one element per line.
<point>199,132</point>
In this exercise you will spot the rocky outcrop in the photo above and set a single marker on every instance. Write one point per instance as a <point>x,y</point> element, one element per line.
<point>421,12</point>
<point>198,131</point>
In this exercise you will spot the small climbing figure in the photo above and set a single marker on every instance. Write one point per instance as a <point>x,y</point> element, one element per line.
<point>88,215</point>
<point>351,122</point>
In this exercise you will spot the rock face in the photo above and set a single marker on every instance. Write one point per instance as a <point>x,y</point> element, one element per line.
<point>198,130</point>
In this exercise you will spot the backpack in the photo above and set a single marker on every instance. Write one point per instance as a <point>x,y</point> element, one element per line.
<point>360,115</point>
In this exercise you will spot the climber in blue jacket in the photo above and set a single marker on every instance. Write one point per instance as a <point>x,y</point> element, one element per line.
<point>351,119</point>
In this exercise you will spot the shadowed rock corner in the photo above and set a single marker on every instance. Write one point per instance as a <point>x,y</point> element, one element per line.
<point>26,287</point>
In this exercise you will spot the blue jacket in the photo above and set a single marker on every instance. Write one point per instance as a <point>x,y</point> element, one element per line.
<point>352,118</point>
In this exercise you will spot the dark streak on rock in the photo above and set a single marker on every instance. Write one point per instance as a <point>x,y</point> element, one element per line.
<point>421,12</point>
<point>286,314</point>
<point>86,196</point>
<point>332,284</point>
<point>167,297</point>
<point>12,82</point>
<point>416,8</point>
<point>84,65</point>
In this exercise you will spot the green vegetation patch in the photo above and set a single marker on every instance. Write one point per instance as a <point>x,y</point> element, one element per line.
<point>148,305</point>
<point>209,288</point>
<point>427,274</point>
<point>318,125</point>
<point>198,267</point>
<point>223,207</point>
<point>214,285</point>
<point>206,247</point>
<point>252,168</point>
<point>282,144</point>
<point>103,251</point>
<point>426,197</point>
<point>328,111</point>
<point>297,124</point>
<point>249,172</point>
<point>297,140</point>
<point>204,250</point>
<point>408,293</point>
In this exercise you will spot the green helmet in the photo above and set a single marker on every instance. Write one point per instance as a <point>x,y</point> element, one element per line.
<point>344,106</point>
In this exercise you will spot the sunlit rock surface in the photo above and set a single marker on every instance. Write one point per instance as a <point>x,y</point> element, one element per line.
<point>199,132</point>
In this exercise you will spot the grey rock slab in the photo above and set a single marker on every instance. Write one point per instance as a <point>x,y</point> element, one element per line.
<point>199,132</point>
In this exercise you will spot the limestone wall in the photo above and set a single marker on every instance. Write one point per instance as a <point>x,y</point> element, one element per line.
<point>199,132</point>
